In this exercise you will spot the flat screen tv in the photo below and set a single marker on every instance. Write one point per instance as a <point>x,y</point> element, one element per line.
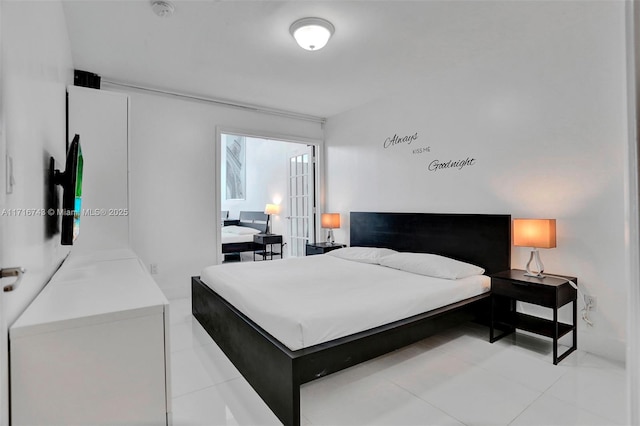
<point>71,182</point>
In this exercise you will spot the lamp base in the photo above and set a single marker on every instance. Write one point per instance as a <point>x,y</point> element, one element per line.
<point>534,275</point>
<point>539,267</point>
<point>330,239</point>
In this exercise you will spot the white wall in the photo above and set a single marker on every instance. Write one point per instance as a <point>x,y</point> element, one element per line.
<point>546,125</point>
<point>36,68</point>
<point>100,118</point>
<point>172,180</point>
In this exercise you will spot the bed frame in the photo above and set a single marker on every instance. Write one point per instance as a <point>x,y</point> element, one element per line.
<point>256,220</point>
<point>276,372</point>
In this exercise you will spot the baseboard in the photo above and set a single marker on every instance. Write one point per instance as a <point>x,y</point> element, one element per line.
<point>605,347</point>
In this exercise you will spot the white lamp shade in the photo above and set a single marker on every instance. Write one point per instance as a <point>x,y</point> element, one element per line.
<point>272,209</point>
<point>312,33</point>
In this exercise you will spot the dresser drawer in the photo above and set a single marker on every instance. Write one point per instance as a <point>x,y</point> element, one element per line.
<point>525,291</point>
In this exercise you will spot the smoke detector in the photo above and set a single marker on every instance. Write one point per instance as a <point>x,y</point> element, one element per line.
<point>162,8</point>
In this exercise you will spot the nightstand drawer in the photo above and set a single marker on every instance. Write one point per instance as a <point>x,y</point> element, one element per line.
<point>311,250</point>
<point>524,291</point>
<point>267,239</point>
<point>322,248</point>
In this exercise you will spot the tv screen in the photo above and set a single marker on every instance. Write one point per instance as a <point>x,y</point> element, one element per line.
<point>71,181</point>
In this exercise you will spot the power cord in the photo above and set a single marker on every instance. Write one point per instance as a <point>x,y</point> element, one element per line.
<point>588,304</point>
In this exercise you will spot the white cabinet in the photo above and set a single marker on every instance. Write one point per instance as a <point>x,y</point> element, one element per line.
<point>101,118</point>
<point>93,347</point>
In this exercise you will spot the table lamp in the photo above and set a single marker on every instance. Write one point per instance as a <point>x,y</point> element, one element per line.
<point>534,233</point>
<point>270,209</point>
<point>330,221</point>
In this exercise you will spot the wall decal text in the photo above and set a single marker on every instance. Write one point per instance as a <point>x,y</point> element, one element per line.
<point>436,165</point>
<point>395,140</point>
<point>421,150</point>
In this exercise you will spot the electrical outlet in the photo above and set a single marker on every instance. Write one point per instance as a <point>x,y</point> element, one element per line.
<point>153,268</point>
<point>591,302</point>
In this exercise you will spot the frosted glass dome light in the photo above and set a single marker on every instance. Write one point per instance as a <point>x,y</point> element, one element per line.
<point>163,8</point>
<point>312,33</point>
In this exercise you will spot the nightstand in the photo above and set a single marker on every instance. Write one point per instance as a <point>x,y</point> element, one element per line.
<point>322,248</point>
<point>511,286</point>
<point>265,240</point>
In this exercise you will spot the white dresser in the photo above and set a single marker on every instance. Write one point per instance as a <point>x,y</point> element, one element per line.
<point>93,347</point>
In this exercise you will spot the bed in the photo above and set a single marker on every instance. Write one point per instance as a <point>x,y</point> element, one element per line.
<point>237,235</point>
<point>277,366</point>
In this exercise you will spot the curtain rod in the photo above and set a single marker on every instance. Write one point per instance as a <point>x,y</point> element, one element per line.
<point>225,103</point>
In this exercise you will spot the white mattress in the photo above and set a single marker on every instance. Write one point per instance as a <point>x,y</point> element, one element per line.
<point>309,300</point>
<point>235,238</point>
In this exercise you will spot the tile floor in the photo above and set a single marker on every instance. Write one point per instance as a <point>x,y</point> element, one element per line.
<point>454,378</point>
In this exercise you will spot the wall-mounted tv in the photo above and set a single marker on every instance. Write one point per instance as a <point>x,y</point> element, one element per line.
<point>71,182</point>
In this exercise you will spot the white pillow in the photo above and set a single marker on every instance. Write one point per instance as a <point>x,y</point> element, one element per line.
<point>431,265</point>
<point>362,254</point>
<point>239,230</point>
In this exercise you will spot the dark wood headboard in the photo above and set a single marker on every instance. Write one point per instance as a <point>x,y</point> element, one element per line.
<point>481,239</point>
<point>256,220</point>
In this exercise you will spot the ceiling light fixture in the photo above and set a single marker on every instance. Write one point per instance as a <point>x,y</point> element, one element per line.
<point>312,33</point>
<point>163,8</point>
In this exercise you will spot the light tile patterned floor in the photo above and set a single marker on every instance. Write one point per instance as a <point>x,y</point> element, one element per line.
<point>454,378</point>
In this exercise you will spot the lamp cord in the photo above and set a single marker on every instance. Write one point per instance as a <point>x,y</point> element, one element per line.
<point>587,306</point>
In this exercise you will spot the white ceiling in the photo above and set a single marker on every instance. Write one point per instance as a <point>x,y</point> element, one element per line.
<point>242,50</point>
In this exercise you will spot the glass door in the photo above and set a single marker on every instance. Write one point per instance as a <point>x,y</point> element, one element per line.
<point>301,199</point>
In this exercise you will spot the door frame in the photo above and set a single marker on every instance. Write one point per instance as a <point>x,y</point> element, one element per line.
<point>632,207</point>
<point>4,327</point>
<point>259,134</point>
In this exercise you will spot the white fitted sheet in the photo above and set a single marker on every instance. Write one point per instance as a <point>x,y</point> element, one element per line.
<point>309,300</point>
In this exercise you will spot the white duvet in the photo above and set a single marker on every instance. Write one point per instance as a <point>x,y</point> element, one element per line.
<point>309,300</point>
